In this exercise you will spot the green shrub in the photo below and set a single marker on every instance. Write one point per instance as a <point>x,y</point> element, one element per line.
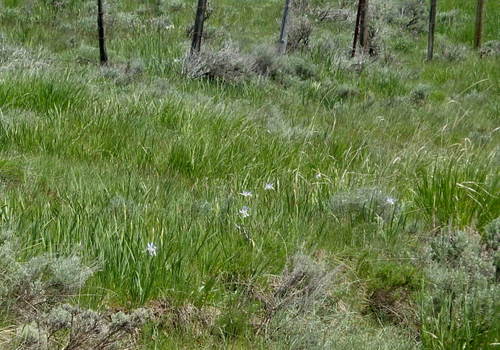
<point>459,305</point>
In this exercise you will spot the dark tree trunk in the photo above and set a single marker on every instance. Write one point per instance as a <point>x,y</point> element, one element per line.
<point>356,29</point>
<point>361,33</point>
<point>100,25</point>
<point>432,28</point>
<point>479,24</point>
<point>198,26</point>
<point>283,40</point>
<point>364,38</point>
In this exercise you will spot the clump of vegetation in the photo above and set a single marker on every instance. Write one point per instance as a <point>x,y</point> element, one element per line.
<point>420,93</point>
<point>226,64</point>
<point>452,52</point>
<point>299,34</point>
<point>311,307</point>
<point>124,74</point>
<point>449,18</point>
<point>267,63</point>
<point>367,203</point>
<point>70,327</point>
<point>345,91</point>
<point>492,241</point>
<point>410,15</point>
<point>458,306</point>
<point>459,192</point>
<point>490,49</point>
<point>34,293</point>
<point>34,286</point>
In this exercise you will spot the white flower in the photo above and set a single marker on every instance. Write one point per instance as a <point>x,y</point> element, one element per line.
<point>245,212</point>
<point>318,176</point>
<point>246,194</point>
<point>269,186</point>
<point>390,201</point>
<point>151,249</point>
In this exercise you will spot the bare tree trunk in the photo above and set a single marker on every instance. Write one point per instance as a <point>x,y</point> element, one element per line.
<point>432,28</point>
<point>361,33</point>
<point>198,26</point>
<point>356,29</point>
<point>283,40</point>
<point>479,24</point>
<point>364,38</point>
<point>100,26</point>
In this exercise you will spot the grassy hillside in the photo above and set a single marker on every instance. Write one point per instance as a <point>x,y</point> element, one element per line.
<point>372,214</point>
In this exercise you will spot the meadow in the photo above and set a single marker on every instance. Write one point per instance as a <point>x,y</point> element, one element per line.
<point>321,203</point>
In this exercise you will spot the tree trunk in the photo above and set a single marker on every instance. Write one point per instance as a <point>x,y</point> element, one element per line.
<point>198,26</point>
<point>356,29</point>
<point>432,28</point>
<point>364,38</point>
<point>283,40</point>
<point>100,26</point>
<point>361,33</point>
<point>479,24</point>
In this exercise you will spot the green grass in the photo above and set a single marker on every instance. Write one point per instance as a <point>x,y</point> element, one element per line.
<point>100,161</point>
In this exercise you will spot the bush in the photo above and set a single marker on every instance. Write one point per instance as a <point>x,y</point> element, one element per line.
<point>227,64</point>
<point>459,306</point>
<point>410,15</point>
<point>41,281</point>
<point>267,63</point>
<point>420,93</point>
<point>492,240</point>
<point>33,292</point>
<point>70,327</point>
<point>299,33</point>
<point>452,52</point>
<point>309,309</point>
<point>490,49</point>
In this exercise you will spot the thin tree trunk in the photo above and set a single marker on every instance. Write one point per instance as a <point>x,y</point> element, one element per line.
<point>479,24</point>
<point>283,40</point>
<point>356,29</point>
<point>432,28</point>
<point>100,25</point>
<point>364,39</point>
<point>198,26</point>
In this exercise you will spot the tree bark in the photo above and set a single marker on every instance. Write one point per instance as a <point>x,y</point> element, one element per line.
<point>361,33</point>
<point>432,28</point>
<point>356,29</point>
<point>479,24</point>
<point>102,40</point>
<point>364,38</point>
<point>283,40</point>
<point>198,26</point>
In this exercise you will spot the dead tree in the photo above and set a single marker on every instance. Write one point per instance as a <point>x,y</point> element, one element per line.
<point>479,24</point>
<point>198,26</point>
<point>361,32</point>
<point>102,40</point>
<point>283,40</point>
<point>432,29</point>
